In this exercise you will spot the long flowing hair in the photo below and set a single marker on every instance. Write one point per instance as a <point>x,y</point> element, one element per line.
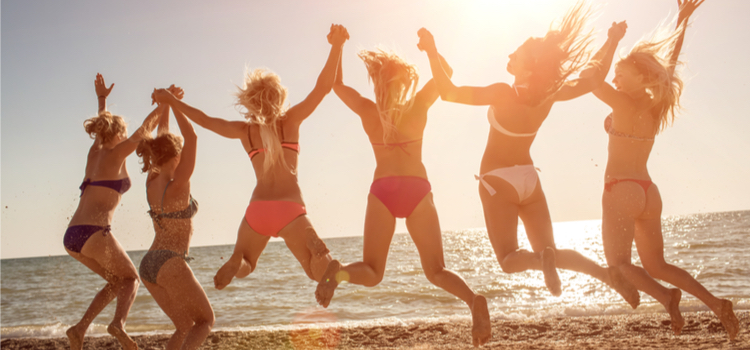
<point>395,83</point>
<point>652,59</point>
<point>264,99</point>
<point>563,51</point>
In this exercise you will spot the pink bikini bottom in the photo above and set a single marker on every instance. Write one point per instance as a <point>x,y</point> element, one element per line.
<point>400,194</point>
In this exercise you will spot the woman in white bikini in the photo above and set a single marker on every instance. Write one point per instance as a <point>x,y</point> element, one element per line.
<point>644,103</point>
<point>509,186</point>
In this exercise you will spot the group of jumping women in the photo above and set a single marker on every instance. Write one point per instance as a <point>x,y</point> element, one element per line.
<point>644,101</point>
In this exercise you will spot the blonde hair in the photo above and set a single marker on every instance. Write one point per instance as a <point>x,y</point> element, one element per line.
<point>264,99</point>
<point>105,126</point>
<point>395,83</point>
<point>561,52</point>
<point>652,59</point>
<point>155,152</point>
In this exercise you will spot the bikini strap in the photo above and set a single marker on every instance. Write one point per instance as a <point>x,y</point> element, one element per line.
<point>164,195</point>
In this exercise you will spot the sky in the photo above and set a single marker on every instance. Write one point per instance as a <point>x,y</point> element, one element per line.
<point>51,51</point>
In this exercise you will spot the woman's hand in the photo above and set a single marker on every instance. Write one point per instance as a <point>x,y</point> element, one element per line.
<point>338,35</point>
<point>177,92</point>
<point>101,87</point>
<point>686,9</point>
<point>426,41</point>
<point>617,31</point>
<point>160,96</point>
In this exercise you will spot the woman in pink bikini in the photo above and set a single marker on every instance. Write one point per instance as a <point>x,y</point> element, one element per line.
<point>89,238</point>
<point>509,186</point>
<point>270,136</point>
<point>394,123</point>
<point>644,103</point>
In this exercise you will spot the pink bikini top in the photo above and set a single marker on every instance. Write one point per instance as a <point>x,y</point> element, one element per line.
<point>294,146</point>
<point>401,145</point>
<point>610,130</point>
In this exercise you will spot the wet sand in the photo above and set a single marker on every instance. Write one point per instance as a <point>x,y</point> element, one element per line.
<point>649,331</point>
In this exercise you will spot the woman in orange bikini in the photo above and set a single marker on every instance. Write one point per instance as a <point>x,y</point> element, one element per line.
<point>270,136</point>
<point>89,238</point>
<point>394,123</point>
<point>644,103</point>
<point>509,186</point>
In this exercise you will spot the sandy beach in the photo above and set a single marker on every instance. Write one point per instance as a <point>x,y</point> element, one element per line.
<point>649,331</point>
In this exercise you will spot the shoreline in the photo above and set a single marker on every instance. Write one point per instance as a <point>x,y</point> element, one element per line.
<point>635,331</point>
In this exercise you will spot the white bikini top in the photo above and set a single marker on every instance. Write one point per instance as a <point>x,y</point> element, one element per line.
<point>500,128</point>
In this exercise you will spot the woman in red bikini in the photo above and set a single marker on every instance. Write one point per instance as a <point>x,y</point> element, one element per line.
<point>644,103</point>
<point>89,238</point>
<point>164,269</point>
<point>509,186</point>
<point>270,136</point>
<point>394,123</point>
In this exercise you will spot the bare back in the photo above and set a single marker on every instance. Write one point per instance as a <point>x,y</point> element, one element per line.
<point>401,156</point>
<point>279,182</point>
<point>97,204</point>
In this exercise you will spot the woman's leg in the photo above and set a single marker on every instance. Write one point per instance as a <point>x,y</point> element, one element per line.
<point>244,259</point>
<point>174,311</point>
<point>620,206</point>
<point>182,298</point>
<point>379,228</point>
<point>101,300</point>
<point>104,255</point>
<point>424,228</point>
<point>307,247</point>
<point>650,244</point>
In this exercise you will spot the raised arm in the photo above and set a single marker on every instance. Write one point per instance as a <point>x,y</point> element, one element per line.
<point>592,77</point>
<point>123,149</point>
<point>102,92</point>
<point>687,7</point>
<point>229,129</point>
<point>351,98</point>
<point>187,158</point>
<point>336,37</point>
<point>441,74</point>
<point>429,92</point>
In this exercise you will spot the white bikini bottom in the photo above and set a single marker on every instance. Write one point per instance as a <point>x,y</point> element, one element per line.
<point>523,178</point>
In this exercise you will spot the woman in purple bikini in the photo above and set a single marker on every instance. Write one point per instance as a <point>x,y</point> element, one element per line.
<point>89,238</point>
<point>644,103</point>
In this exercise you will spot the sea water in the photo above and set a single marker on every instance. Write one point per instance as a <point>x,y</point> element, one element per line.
<point>42,297</point>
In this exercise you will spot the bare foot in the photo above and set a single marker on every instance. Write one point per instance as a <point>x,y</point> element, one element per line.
<point>624,287</point>
<point>481,327</point>
<point>328,283</point>
<point>75,337</point>
<point>125,341</point>
<point>549,268</point>
<point>674,311</point>
<point>729,319</point>
<point>227,272</point>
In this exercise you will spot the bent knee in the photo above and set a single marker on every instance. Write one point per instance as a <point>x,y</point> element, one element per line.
<point>656,269</point>
<point>376,280</point>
